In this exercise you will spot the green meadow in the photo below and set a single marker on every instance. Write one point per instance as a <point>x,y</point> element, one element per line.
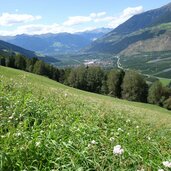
<point>46,126</point>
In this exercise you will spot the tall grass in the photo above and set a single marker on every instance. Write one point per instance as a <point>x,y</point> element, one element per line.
<point>47,128</point>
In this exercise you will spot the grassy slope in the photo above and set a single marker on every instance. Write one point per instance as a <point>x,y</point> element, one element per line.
<point>70,119</point>
<point>150,111</point>
<point>164,81</point>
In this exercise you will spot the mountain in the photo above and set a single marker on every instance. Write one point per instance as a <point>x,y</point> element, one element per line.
<point>126,34</point>
<point>93,35</point>
<point>8,49</point>
<point>51,44</point>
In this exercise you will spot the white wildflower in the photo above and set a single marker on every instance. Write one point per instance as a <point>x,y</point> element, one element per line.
<point>112,139</point>
<point>120,129</point>
<point>117,150</point>
<point>167,164</point>
<point>141,169</point>
<point>137,126</point>
<point>89,145</point>
<point>70,142</point>
<point>93,142</point>
<point>148,138</point>
<point>41,131</point>
<point>18,134</point>
<point>11,117</point>
<point>22,148</point>
<point>128,120</point>
<point>66,95</point>
<point>37,144</point>
<point>160,170</point>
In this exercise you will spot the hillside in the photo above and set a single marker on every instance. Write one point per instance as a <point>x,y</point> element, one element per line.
<point>8,49</point>
<point>126,34</point>
<point>48,126</point>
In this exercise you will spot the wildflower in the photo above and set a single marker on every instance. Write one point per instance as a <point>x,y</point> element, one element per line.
<point>93,142</point>
<point>160,170</point>
<point>148,138</point>
<point>167,164</point>
<point>11,117</point>
<point>66,95</point>
<point>120,129</point>
<point>141,169</point>
<point>128,120</point>
<point>128,133</point>
<point>41,131</point>
<point>89,145</point>
<point>37,144</point>
<point>137,126</point>
<point>112,139</point>
<point>117,150</point>
<point>70,142</point>
<point>18,134</point>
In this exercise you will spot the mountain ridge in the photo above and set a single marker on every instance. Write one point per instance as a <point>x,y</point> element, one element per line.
<point>51,44</point>
<point>136,23</point>
<point>10,49</point>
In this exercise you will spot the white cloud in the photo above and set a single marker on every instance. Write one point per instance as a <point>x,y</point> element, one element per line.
<point>95,15</point>
<point>32,29</point>
<point>113,21</point>
<point>77,20</point>
<point>7,19</point>
<point>126,14</point>
<point>73,24</point>
<point>130,11</point>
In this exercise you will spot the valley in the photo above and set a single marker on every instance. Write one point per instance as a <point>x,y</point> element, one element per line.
<point>85,86</point>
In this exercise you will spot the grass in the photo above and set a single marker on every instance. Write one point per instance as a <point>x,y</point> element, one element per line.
<point>48,126</point>
<point>164,81</point>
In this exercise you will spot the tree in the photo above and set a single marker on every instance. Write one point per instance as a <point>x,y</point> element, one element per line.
<point>77,78</point>
<point>155,93</point>
<point>114,82</point>
<point>104,88</point>
<point>167,103</point>
<point>94,79</point>
<point>10,61</point>
<point>20,62</point>
<point>2,60</point>
<point>134,87</point>
<point>39,68</point>
<point>55,73</point>
<point>169,85</point>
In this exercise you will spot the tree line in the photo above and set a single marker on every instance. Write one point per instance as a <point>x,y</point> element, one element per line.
<point>128,85</point>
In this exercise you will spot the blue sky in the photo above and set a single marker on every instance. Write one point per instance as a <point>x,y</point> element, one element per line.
<point>43,16</point>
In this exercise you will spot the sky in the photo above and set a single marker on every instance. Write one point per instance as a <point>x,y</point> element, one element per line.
<point>55,16</point>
